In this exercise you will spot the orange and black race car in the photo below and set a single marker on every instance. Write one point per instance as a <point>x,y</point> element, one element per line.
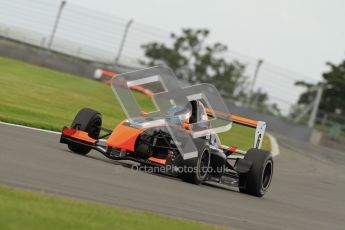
<point>159,145</point>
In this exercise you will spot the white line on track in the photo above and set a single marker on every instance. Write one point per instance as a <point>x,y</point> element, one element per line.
<point>274,143</point>
<point>27,127</point>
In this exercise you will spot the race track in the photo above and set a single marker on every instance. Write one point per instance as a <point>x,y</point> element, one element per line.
<point>307,191</point>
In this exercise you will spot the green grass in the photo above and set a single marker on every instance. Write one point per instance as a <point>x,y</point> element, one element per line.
<point>20,209</point>
<point>326,130</point>
<point>243,138</point>
<point>39,97</point>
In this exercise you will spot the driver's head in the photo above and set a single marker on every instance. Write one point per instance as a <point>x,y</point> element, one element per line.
<point>178,114</point>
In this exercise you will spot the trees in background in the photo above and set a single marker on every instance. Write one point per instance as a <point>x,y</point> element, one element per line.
<point>260,102</point>
<point>333,98</point>
<point>196,61</point>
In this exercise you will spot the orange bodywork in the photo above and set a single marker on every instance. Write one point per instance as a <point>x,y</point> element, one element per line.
<point>234,118</point>
<point>211,112</point>
<point>77,134</point>
<point>124,137</point>
<point>243,120</point>
<point>157,160</point>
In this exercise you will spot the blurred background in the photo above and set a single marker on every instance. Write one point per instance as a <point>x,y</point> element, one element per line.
<point>268,64</point>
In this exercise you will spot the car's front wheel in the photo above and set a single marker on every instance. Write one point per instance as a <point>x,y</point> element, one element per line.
<point>90,121</point>
<point>258,179</point>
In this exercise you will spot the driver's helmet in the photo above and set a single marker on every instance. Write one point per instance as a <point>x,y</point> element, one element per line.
<point>178,114</point>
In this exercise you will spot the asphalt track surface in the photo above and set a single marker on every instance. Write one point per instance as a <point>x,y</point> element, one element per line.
<point>307,190</point>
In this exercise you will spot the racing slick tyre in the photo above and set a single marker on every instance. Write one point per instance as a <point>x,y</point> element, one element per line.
<point>258,179</point>
<point>195,170</point>
<point>90,121</point>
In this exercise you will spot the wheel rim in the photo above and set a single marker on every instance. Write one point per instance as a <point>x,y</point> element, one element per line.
<point>267,175</point>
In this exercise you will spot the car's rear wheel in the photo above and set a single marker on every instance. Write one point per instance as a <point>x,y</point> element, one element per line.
<point>90,121</point>
<point>196,170</point>
<point>258,179</point>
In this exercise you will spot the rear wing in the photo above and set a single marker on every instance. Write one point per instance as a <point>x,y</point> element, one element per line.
<point>259,126</point>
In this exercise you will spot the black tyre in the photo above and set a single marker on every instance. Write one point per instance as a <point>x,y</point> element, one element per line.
<point>196,170</point>
<point>258,179</point>
<point>90,121</point>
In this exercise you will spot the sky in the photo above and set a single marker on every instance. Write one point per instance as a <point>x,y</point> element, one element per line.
<point>300,35</point>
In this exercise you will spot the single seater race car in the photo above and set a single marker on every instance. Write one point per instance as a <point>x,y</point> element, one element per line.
<point>157,145</point>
